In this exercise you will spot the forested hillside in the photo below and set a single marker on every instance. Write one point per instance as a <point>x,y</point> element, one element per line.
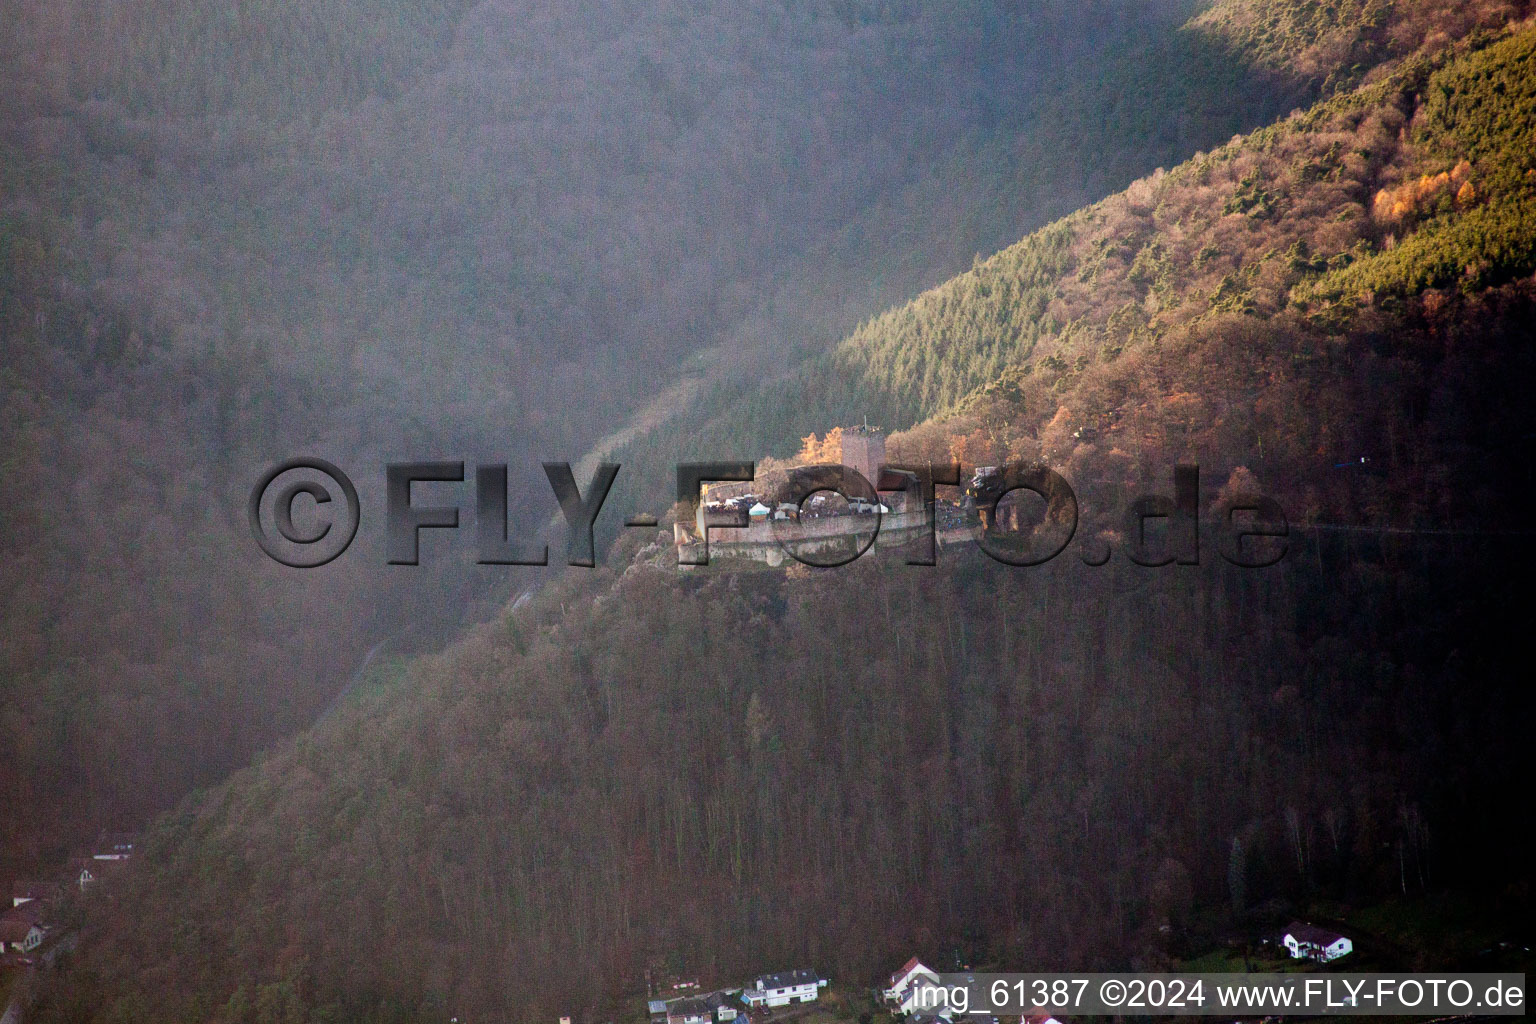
<point>234,234</point>
<point>1178,254</point>
<point>119,479</point>
<point>1068,766</point>
<point>836,771</point>
<point>1386,235</point>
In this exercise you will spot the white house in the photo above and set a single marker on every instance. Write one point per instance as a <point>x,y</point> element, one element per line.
<point>923,997</point>
<point>802,986</point>
<point>902,978</point>
<point>19,935</point>
<point>915,990</point>
<point>1309,942</point>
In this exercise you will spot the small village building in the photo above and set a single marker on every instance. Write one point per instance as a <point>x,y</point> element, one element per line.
<point>924,998</point>
<point>914,990</point>
<point>1309,942</point>
<point>943,1015</point>
<point>691,1010</point>
<point>898,981</point>
<point>723,1003</point>
<point>784,988</point>
<point>81,873</point>
<point>19,933</point>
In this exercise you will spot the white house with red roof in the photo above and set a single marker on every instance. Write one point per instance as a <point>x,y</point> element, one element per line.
<point>903,977</point>
<point>915,989</point>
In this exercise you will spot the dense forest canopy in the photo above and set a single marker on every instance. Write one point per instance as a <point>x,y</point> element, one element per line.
<point>1106,317</point>
<point>233,234</point>
<point>831,771</point>
<point>507,232</point>
<point>1069,766</point>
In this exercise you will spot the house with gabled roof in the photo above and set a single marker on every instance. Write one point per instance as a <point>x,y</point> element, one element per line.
<point>723,1002</point>
<point>923,996</point>
<point>691,1010</point>
<point>717,1007</point>
<point>915,990</point>
<point>85,871</point>
<point>899,981</point>
<point>1309,942</point>
<point>20,932</point>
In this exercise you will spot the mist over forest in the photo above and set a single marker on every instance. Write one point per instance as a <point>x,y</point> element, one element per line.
<point>444,231</point>
<point>1291,242</point>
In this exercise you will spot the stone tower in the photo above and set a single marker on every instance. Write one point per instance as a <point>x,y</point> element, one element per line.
<point>864,450</point>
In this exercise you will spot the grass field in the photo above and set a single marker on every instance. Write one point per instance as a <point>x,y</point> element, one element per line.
<point>1229,961</point>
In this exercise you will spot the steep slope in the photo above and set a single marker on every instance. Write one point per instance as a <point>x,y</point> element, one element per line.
<point>1388,235</point>
<point>233,235</point>
<point>1073,766</point>
<point>525,825</point>
<point>1075,292</point>
<point>377,231</point>
<point>1341,40</point>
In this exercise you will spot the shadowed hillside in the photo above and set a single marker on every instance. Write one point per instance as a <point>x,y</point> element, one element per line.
<point>1071,766</point>
<point>372,232</point>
